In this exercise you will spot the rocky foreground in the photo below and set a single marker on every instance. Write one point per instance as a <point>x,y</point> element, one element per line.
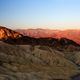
<point>27,58</point>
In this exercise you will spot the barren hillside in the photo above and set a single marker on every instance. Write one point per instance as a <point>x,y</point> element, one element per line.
<point>27,58</point>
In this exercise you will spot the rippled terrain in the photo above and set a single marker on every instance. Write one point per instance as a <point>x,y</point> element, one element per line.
<point>26,58</point>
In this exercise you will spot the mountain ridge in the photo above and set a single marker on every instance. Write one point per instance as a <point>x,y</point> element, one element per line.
<point>44,33</point>
<point>9,35</point>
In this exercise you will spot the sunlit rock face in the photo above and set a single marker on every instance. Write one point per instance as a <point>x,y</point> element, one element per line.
<point>7,33</point>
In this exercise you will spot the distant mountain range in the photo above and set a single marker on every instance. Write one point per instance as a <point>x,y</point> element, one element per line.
<point>44,33</point>
<point>40,33</point>
<point>14,37</point>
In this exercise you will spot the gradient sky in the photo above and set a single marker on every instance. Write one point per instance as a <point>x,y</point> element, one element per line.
<point>53,14</point>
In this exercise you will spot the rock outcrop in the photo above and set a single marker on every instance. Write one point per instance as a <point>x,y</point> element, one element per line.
<point>6,33</point>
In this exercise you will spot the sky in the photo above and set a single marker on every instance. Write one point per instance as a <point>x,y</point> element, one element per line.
<point>51,14</point>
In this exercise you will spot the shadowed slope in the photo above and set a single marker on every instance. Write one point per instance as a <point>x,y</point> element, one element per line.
<point>19,61</point>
